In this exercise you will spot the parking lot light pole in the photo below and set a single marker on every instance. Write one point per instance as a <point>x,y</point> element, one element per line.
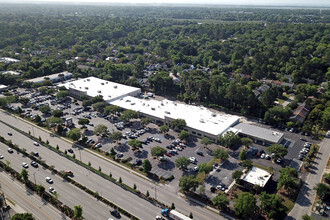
<point>79,153</point>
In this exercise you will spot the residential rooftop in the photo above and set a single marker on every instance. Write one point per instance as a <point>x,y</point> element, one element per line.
<point>93,86</point>
<point>10,72</point>
<point>257,176</point>
<point>197,117</point>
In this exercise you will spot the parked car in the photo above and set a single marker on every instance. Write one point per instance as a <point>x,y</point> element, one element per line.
<point>10,134</point>
<point>195,169</point>
<point>70,150</point>
<point>1,156</point>
<point>10,150</point>
<point>36,143</point>
<point>200,153</point>
<point>192,160</point>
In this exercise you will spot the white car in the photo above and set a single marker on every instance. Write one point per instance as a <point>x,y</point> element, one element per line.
<point>25,165</point>
<point>52,190</point>
<point>49,180</point>
<point>262,156</point>
<point>1,157</point>
<point>36,143</point>
<point>10,150</point>
<point>195,169</point>
<point>192,159</point>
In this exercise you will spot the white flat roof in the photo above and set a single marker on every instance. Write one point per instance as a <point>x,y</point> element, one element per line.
<point>259,132</point>
<point>257,176</point>
<point>93,86</point>
<point>196,117</point>
<point>52,76</point>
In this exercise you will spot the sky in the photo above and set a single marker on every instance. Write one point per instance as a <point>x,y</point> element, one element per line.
<point>227,2</point>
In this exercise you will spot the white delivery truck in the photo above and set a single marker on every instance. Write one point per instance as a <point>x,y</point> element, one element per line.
<point>172,214</point>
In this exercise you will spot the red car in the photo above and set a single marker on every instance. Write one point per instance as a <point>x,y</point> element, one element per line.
<point>168,154</point>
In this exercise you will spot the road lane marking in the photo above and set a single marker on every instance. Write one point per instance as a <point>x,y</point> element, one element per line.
<point>20,195</point>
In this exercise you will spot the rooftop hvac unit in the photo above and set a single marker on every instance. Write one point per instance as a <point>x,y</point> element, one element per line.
<point>88,79</point>
<point>102,83</point>
<point>99,91</point>
<point>109,96</point>
<point>86,87</point>
<point>167,112</point>
<point>115,87</point>
<point>213,114</point>
<point>201,120</point>
<point>106,82</point>
<point>152,108</point>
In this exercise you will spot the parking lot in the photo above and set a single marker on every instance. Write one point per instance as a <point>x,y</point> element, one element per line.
<point>151,137</point>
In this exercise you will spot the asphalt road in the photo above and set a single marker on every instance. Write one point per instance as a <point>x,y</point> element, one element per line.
<point>306,195</point>
<point>138,206</point>
<point>68,193</point>
<point>26,201</point>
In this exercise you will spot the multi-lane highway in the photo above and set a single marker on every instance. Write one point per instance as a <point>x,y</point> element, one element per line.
<point>104,187</point>
<point>134,204</point>
<point>68,193</point>
<point>23,200</point>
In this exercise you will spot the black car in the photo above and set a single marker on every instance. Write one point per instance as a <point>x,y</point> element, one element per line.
<point>115,213</point>
<point>36,154</point>
<point>200,153</point>
<point>70,150</point>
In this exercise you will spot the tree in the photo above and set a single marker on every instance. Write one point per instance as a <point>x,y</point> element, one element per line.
<point>272,205</point>
<point>135,144</point>
<point>57,113</point>
<point>77,212</point>
<point>45,109</point>
<point>74,134</point>
<point>37,119</point>
<point>178,124</point>
<point>22,216</point>
<point>25,175</point>
<point>116,136</point>
<point>288,178</point>
<point>164,129</point>
<point>246,141</point>
<point>111,109</point>
<point>230,139</point>
<point>322,190</point>
<point>40,189</point>
<point>221,202</point>
<point>101,130</point>
<point>128,115</point>
<point>206,141</point>
<point>245,205</point>
<point>242,155</point>
<point>184,135</point>
<point>62,94</point>
<point>99,106</point>
<point>146,166</point>
<point>182,162</point>
<point>158,151</point>
<point>145,121</point>
<point>83,121</point>
<point>247,164</point>
<point>188,182</point>
<point>237,174</point>
<point>278,150</point>
<point>220,154</point>
<point>205,167</point>
<point>24,100</point>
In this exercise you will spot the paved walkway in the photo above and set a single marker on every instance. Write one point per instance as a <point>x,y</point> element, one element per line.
<point>306,195</point>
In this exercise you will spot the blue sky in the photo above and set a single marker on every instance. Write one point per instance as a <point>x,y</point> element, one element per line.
<point>228,2</point>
